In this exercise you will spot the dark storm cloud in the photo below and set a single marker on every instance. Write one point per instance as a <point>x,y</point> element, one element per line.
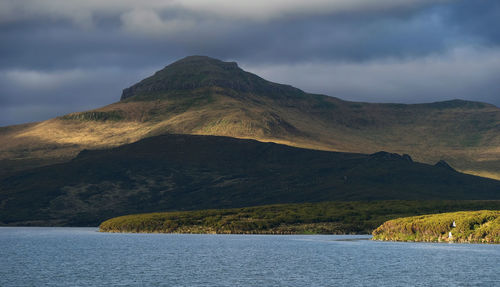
<point>63,57</point>
<point>477,19</point>
<point>462,73</point>
<point>42,95</point>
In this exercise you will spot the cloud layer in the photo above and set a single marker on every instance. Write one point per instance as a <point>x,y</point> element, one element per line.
<point>83,12</point>
<point>62,56</point>
<point>471,72</point>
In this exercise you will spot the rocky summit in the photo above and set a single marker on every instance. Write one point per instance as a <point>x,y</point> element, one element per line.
<point>195,72</point>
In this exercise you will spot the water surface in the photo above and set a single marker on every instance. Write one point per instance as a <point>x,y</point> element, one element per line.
<point>85,257</point>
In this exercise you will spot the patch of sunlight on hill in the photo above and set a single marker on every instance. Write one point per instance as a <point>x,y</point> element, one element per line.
<point>93,133</point>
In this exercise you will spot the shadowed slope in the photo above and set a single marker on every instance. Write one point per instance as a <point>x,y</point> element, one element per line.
<point>186,172</point>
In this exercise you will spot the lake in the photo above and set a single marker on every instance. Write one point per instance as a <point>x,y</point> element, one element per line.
<point>31,256</point>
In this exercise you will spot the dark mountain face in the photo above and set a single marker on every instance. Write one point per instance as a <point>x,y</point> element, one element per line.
<point>186,172</point>
<point>196,72</point>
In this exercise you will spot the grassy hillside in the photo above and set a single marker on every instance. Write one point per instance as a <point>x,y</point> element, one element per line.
<point>471,227</point>
<point>203,96</point>
<point>186,172</point>
<point>306,218</point>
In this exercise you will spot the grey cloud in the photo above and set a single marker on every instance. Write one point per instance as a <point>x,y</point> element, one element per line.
<point>479,19</point>
<point>345,37</point>
<point>113,41</point>
<point>83,12</point>
<point>465,73</point>
<point>35,95</point>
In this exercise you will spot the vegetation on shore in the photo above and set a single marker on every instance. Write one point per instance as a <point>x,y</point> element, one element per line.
<point>464,227</point>
<point>306,218</point>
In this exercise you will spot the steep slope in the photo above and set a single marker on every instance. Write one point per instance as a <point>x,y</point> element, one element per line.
<point>187,172</point>
<point>204,96</point>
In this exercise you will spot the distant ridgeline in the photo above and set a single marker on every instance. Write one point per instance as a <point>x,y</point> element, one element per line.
<point>305,218</point>
<point>463,227</point>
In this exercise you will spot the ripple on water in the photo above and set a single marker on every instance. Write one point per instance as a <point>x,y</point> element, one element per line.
<point>85,257</point>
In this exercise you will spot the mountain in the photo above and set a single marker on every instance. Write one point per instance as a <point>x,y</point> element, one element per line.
<point>204,96</point>
<point>192,172</point>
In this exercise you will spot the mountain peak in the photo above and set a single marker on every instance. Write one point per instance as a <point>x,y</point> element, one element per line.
<point>444,164</point>
<point>194,72</point>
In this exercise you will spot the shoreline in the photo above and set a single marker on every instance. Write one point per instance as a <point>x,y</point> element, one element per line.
<point>453,227</point>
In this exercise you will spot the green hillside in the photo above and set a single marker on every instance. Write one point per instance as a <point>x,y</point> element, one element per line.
<point>465,227</point>
<point>186,172</point>
<point>305,218</point>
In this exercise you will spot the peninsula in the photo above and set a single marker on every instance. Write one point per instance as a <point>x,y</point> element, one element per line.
<point>356,217</point>
<point>460,227</point>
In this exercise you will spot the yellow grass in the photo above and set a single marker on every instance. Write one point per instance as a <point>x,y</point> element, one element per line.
<point>427,136</point>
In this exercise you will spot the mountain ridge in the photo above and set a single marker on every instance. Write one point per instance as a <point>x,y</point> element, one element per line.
<point>465,134</point>
<point>192,172</point>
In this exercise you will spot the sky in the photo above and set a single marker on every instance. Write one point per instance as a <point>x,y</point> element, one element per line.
<point>63,56</point>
